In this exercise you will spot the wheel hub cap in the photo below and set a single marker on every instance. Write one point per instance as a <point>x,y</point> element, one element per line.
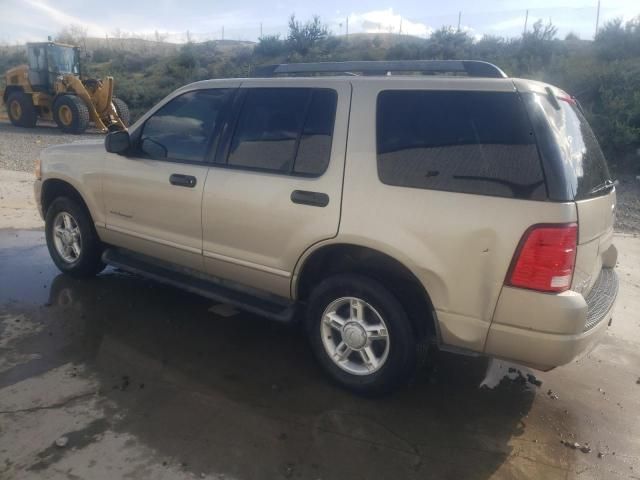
<point>16,110</point>
<point>66,237</point>
<point>65,115</point>
<point>354,335</point>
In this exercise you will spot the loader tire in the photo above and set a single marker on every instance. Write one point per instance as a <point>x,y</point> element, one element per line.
<point>22,112</point>
<point>122,109</point>
<point>71,114</point>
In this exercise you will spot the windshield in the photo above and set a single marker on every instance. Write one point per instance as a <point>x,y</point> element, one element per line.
<point>585,168</point>
<point>63,59</point>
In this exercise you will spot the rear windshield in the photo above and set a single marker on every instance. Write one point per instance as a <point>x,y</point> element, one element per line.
<point>573,146</point>
<point>458,141</point>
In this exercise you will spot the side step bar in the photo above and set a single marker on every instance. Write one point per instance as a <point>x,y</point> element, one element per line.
<point>244,298</point>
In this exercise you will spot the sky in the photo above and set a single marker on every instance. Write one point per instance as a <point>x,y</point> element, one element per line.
<point>34,20</point>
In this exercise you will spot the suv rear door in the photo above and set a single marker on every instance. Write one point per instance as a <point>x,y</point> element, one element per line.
<point>276,185</point>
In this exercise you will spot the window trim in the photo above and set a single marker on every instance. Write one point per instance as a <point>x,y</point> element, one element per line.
<point>456,192</point>
<point>213,138</point>
<point>224,146</point>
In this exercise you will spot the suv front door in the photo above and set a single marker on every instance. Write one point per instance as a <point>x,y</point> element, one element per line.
<point>276,186</point>
<point>153,197</point>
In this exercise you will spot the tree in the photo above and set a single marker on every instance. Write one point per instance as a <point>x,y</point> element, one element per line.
<point>303,37</point>
<point>536,47</point>
<point>270,46</point>
<point>73,35</point>
<point>616,41</point>
<point>448,43</point>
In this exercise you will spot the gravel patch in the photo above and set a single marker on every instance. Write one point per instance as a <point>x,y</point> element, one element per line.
<point>20,147</point>
<point>628,207</point>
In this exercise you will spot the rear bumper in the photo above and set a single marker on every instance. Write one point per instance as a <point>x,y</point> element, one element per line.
<point>546,330</point>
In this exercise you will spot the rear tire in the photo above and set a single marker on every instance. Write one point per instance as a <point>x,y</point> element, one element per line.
<point>22,112</point>
<point>71,114</point>
<point>360,334</point>
<point>122,110</point>
<point>72,241</point>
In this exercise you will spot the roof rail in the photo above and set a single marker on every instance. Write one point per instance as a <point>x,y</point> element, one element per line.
<point>470,68</point>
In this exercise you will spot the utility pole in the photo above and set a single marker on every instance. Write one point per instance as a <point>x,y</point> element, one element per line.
<point>347,27</point>
<point>260,29</point>
<point>597,18</point>
<point>459,19</point>
<point>526,19</point>
<point>223,33</point>
<point>400,26</point>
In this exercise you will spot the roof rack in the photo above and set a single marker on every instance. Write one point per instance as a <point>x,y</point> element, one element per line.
<point>470,68</point>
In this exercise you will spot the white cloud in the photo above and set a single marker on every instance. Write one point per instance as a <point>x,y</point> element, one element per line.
<point>508,24</point>
<point>63,19</point>
<point>385,21</point>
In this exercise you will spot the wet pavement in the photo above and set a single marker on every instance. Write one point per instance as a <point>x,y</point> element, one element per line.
<point>144,381</point>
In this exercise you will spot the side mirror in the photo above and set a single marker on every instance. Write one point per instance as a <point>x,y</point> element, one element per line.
<point>117,142</point>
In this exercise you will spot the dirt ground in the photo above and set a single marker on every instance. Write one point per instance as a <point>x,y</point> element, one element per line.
<point>138,380</point>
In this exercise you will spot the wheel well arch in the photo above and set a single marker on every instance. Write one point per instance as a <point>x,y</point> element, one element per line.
<point>53,188</point>
<point>349,258</point>
<point>9,90</point>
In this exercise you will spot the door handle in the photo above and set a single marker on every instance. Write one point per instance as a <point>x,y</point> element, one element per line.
<point>315,199</point>
<point>183,180</point>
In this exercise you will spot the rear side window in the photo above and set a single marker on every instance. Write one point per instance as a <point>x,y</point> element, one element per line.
<point>314,150</point>
<point>573,145</point>
<point>285,130</point>
<point>183,128</point>
<point>458,141</point>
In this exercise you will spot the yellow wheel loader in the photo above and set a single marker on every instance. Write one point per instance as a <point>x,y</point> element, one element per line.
<point>50,87</point>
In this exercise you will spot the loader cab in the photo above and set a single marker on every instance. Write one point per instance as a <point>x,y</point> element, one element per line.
<point>48,60</point>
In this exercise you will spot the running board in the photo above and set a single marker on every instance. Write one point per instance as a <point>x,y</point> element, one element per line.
<point>244,298</point>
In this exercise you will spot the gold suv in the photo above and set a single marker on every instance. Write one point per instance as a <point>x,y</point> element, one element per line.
<point>387,205</point>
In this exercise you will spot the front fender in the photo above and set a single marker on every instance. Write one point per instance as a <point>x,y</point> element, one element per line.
<point>80,166</point>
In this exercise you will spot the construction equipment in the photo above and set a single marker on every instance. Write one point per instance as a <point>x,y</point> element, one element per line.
<point>50,87</point>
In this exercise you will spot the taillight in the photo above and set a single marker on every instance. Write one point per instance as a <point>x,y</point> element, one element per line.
<point>545,258</point>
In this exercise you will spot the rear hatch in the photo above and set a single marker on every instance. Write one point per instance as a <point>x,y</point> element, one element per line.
<point>575,170</point>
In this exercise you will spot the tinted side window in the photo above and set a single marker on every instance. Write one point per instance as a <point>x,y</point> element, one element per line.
<point>268,128</point>
<point>314,150</point>
<point>285,130</point>
<point>183,128</point>
<point>470,142</point>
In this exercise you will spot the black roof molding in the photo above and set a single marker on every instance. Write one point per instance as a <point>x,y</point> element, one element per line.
<point>469,68</point>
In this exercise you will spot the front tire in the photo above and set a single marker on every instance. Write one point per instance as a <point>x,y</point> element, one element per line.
<point>71,114</point>
<point>22,112</point>
<point>72,241</point>
<point>360,334</point>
